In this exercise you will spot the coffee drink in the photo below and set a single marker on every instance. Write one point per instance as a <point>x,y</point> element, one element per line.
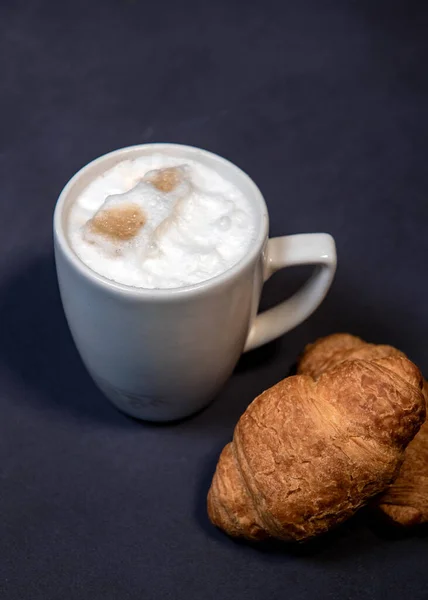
<point>160,222</point>
<point>165,217</point>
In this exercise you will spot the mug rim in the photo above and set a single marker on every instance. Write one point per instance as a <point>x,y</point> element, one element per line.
<point>61,238</point>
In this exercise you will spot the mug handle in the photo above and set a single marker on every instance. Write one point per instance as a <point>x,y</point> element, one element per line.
<point>286,251</point>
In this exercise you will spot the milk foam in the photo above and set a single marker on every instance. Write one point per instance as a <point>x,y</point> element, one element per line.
<point>178,222</point>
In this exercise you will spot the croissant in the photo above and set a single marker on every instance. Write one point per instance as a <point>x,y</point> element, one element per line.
<point>330,351</point>
<point>406,500</point>
<point>307,453</point>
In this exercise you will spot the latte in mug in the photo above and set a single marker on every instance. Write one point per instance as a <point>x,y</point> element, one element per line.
<point>160,222</point>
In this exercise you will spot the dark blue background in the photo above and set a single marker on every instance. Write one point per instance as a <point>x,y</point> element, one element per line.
<point>324,104</point>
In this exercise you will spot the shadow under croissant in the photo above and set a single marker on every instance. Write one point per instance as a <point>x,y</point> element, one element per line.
<point>387,529</point>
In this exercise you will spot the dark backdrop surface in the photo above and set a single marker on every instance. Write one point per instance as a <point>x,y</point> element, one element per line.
<point>324,104</point>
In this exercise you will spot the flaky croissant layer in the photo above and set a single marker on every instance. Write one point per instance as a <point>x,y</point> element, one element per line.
<point>406,500</point>
<point>311,450</point>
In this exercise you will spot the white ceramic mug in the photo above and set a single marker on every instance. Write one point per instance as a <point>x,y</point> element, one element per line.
<point>163,354</point>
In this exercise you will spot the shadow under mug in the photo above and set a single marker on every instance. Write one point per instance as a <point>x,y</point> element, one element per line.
<point>162,354</point>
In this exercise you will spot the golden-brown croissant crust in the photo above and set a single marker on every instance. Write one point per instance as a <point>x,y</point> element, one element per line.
<point>307,453</point>
<point>328,352</point>
<point>406,500</point>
